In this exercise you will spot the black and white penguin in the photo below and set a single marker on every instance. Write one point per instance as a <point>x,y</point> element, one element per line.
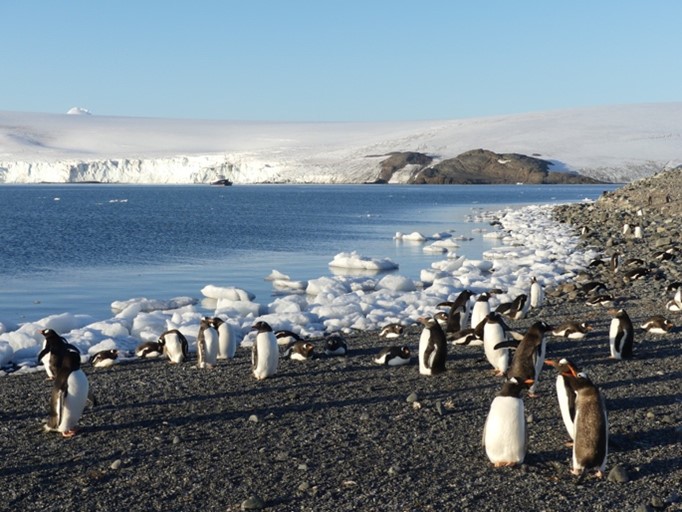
<point>635,274</point>
<point>675,304</point>
<point>465,337</point>
<point>537,293</point>
<point>335,345</point>
<point>516,309</point>
<point>175,346</point>
<point>442,318</point>
<point>494,333</point>
<point>634,262</point>
<point>529,355</point>
<point>657,324</point>
<point>207,344</point>
<point>605,299</point>
<point>565,393</point>
<point>391,331</point>
<point>433,348</point>
<point>265,353</point>
<point>104,358</point>
<point>69,396</point>
<point>462,305</point>
<point>149,349</point>
<point>673,287</point>
<point>615,262</point>
<point>227,341</point>
<point>621,335</point>
<point>394,356</point>
<point>299,351</point>
<point>572,330</point>
<point>53,350</point>
<point>505,438</point>
<point>593,288</point>
<point>591,441</point>
<point>286,337</point>
<point>480,309</point>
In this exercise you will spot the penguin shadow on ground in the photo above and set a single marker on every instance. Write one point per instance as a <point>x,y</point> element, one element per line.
<point>639,402</point>
<point>644,440</point>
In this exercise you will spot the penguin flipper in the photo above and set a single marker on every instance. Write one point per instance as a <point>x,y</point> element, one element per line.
<point>511,344</point>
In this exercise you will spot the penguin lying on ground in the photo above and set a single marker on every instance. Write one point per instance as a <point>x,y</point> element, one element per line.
<point>657,324</point>
<point>149,349</point>
<point>104,358</point>
<point>572,330</point>
<point>299,351</point>
<point>391,331</point>
<point>335,345</point>
<point>394,356</point>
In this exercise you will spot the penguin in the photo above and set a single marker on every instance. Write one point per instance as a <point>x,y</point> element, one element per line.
<point>149,349</point>
<point>391,331</point>
<point>591,441</point>
<point>565,393</point>
<point>442,318</point>
<point>299,351</point>
<point>675,304</point>
<point>505,438</point>
<point>605,300</point>
<point>207,344</point>
<point>265,354</point>
<point>53,350</point>
<point>285,337</point>
<point>394,356</point>
<point>664,256</point>
<point>635,274</point>
<point>572,330</point>
<point>335,345</point>
<point>634,262</point>
<point>433,349</point>
<point>104,358</point>
<point>69,396</point>
<point>480,310</point>
<point>673,287</point>
<point>657,324</point>
<point>465,337</point>
<point>462,304</point>
<point>529,355</point>
<point>615,262</point>
<point>593,288</point>
<point>493,334</point>
<point>175,346</point>
<point>621,335</point>
<point>515,310</point>
<point>537,293</point>
<point>227,341</point>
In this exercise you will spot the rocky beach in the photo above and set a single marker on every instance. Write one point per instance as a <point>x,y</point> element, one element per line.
<point>343,433</point>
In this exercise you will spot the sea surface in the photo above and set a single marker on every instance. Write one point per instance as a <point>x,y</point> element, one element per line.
<point>78,247</point>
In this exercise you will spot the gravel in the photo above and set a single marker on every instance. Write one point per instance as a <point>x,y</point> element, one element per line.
<point>342,433</point>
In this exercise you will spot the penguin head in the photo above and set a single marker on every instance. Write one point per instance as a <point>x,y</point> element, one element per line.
<point>542,326</point>
<point>261,327</point>
<point>564,366</point>
<point>428,321</point>
<point>405,352</point>
<point>216,322</point>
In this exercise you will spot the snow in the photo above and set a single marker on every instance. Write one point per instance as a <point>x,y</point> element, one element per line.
<point>534,246</point>
<point>613,143</point>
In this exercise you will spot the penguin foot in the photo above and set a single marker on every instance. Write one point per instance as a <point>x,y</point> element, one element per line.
<point>68,434</point>
<point>533,395</point>
<point>504,464</point>
<point>577,471</point>
<point>568,444</point>
<point>599,474</point>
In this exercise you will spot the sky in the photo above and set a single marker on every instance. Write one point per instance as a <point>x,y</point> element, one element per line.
<point>336,60</point>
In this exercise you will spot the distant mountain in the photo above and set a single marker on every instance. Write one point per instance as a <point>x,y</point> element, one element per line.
<point>614,143</point>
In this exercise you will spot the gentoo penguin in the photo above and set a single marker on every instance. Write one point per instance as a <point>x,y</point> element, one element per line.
<point>227,341</point>
<point>529,356</point>
<point>657,324</point>
<point>632,262</point>
<point>537,293</point>
<point>493,334</point>
<point>207,344</point>
<point>673,287</point>
<point>175,346</point>
<point>69,396</point>
<point>465,337</point>
<point>593,288</point>
<point>504,435</point>
<point>285,337</point>
<point>615,262</point>
<point>54,349</point>
<point>515,310</point>
<point>433,349</point>
<point>335,345</point>
<point>391,331</point>
<point>149,349</point>
<point>621,335</point>
<point>299,351</point>
<point>676,303</point>
<point>605,299</point>
<point>591,441</point>
<point>265,354</point>
<point>635,273</point>
<point>394,356</point>
<point>104,358</point>
<point>442,318</point>
<point>462,305</point>
<point>565,393</point>
<point>480,310</point>
<point>572,330</point>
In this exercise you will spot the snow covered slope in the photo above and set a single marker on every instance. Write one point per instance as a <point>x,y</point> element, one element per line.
<point>615,143</point>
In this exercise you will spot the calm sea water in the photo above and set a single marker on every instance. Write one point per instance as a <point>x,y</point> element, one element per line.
<point>77,248</point>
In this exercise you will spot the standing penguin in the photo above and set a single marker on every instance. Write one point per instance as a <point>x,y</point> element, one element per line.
<point>227,341</point>
<point>174,345</point>
<point>529,356</point>
<point>493,334</point>
<point>505,438</point>
<point>433,349</point>
<point>69,396</point>
<point>265,354</point>
<point>480,310</point>
<point>537,293</point>
<point>460,312</point>
<point>591,442</point>
<point>621,335</point>
<point>54,349</point>
<point>207,344</point>
<point>565,393</point>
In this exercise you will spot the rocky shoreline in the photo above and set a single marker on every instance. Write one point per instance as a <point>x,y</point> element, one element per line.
<point>341,433</point>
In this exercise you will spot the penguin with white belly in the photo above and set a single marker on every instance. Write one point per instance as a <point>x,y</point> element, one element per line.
<point>265,353</point>
<point>394,356</point>
<point>149,349</point>
<point>494,333</point>
<point>227,341</point>
<point>104,358</point>
<point>565,393</point>
<point>537,293</point>
<point>69,396</point>
<point>621,335</point>
<point>480,310</point>
<point>207,344</point>
<point>54,349</point>
<point>529,356</point>
<point>505,438</point>
<point>572,330</point>
<point>433,348</point>
<point>174,345</point>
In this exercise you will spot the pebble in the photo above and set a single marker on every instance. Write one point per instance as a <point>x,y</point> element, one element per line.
<point>303,486</point>
<point>176,440</point>
<point>116,464</point>
<point>618,474</point>
<point>412,397</point>
<point>253,502</point>
<point>253,418</point>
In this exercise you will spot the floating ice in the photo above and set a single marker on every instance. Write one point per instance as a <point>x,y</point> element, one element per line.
<point>354,261</point>
<point>230,293</point>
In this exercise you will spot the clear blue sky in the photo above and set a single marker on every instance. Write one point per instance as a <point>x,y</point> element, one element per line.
<point>336,60</point>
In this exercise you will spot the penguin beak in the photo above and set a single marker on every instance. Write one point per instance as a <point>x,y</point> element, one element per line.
<point>551,362</point>
<point>528,382</point>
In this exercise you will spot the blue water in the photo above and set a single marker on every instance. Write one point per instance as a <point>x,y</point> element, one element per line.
<point>77,248</point>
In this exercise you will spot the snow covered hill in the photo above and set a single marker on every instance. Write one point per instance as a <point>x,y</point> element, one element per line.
<point>614,143</point>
